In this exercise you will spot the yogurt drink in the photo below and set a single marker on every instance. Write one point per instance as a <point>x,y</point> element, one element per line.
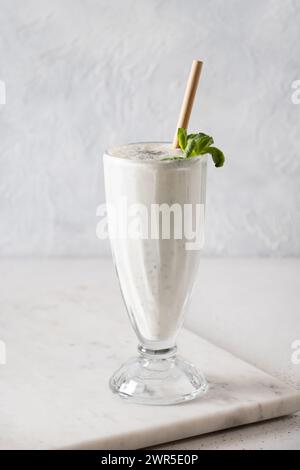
<point>156,270</point>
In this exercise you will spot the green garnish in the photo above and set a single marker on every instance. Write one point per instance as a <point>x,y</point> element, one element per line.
<point>194,145</point>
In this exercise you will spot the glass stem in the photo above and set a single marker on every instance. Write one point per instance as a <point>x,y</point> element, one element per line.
<point>157,353</point>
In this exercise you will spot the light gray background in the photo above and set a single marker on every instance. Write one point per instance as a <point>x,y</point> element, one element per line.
<point>85,74</point>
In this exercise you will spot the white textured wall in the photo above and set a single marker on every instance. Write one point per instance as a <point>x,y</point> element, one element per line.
<point>84,74</point>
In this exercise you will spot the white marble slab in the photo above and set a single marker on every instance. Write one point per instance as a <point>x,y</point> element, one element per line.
<point>66,330</point>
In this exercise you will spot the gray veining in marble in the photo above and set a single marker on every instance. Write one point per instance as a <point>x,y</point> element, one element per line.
<point>66,330</point>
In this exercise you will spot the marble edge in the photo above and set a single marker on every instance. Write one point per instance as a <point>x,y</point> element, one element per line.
<point>191,427</point>
<point>248,364</point>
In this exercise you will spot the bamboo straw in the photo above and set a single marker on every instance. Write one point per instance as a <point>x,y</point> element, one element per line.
<point>188,99</point>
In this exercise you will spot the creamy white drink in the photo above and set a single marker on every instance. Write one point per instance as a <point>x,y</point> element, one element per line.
<point>163,187</point>
<point>156,275</point>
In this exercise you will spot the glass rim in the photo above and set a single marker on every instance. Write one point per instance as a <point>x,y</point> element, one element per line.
<point>202,158</point>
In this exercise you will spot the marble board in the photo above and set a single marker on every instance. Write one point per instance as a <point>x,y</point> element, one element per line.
<point>65,333</point>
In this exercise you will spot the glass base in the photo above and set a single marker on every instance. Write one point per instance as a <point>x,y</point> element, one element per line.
<point>158,378</point>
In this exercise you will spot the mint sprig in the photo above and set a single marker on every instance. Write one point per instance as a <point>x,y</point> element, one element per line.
<point>194,145</point>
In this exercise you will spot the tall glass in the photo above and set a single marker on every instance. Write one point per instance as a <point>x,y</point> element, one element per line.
<point>155,216</point>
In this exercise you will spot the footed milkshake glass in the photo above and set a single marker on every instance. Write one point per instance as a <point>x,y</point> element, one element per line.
<point>156,260</point>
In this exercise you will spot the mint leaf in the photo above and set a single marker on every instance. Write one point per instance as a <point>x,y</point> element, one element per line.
<point>202,141</point>
<point>172,158</point>
<point>194,145</point>
<point>192,136</point>
<point>189,148</point>
<point>217,155</point>
<point>182,138</point>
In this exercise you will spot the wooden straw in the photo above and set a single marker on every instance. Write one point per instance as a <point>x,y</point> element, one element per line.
<point>188,99</point>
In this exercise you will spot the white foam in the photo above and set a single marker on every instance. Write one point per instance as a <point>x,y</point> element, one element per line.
<point>144,151</point>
